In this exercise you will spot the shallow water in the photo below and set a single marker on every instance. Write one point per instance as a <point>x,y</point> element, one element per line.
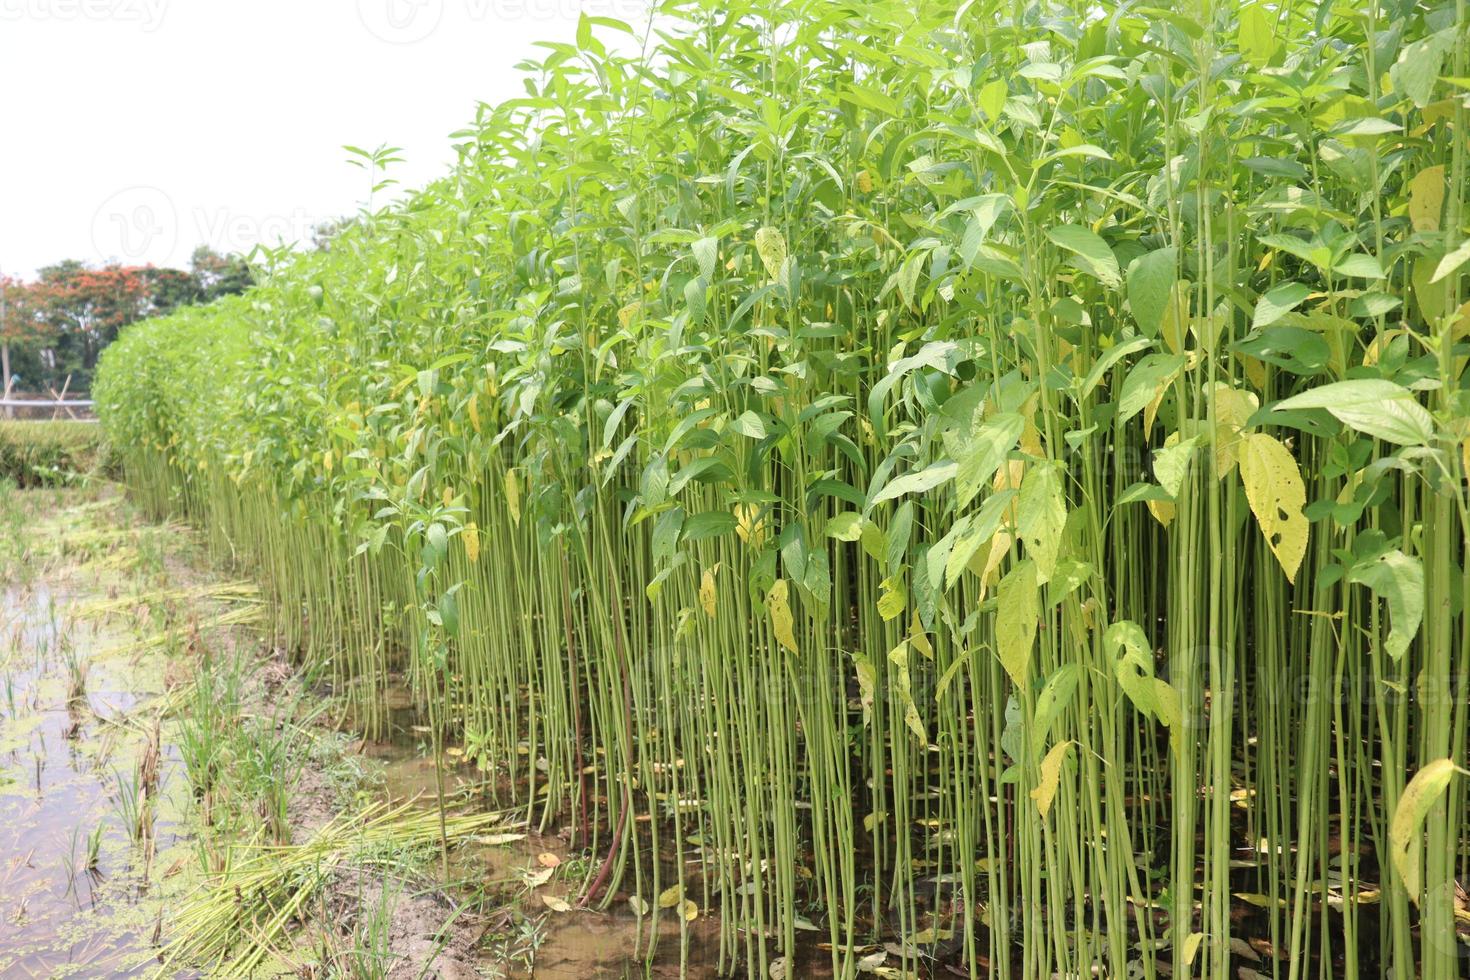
<point>65,767</point>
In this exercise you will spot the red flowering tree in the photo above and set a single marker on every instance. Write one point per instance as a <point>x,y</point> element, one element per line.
<point>23,324</point>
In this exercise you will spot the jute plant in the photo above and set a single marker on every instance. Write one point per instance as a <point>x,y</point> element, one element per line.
<point>987,477</point>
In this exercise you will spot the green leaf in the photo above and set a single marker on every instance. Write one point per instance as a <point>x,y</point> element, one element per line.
<point>1145,381</point>
<point>1276,303</point>
<point>921,482</point>
<point>1172,462</point>
<point>1041,513</point>
<point>1360,266</point>
<point>1055,695</point>
<point>847,526</point>
<point>986,450</point>
<point>1095,255</point>
<point>1373,406</point>
<point>1398,580</point>
<point>1114,354</point>
<point>982,527</point>
<point>749,424</point>
<point>1451,262</point>
<point>1256,35</point>
<point>1418,66</point>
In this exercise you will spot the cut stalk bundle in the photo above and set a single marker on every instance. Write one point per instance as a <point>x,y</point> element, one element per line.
<point>990,476</point>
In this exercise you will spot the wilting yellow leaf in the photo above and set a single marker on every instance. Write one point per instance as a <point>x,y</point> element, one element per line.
<point>864,182</point>
<point>628,312</point>
<point>1426,198</point>
<point>1419,797</point>
<point>671,896</point>
<point>471,535</point>
<point>1051,776</point>
<point>1273,485</point>
<point>708,594</point>
<point>1176,316</point>
<point>771,245</point>
<point>475,411</point>
<point>749,525</point>
<point>1191,947</point>
<point>1019,600</point>
<point>327,462</point>
<point>688,910</point>
<point>448,496</point>
<point>903,687</point>
<point>778,603</point>
<point>513,495</point>
<point>1232,408</point>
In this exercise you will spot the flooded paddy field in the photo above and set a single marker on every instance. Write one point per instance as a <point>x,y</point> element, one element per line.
<point>175,800</point>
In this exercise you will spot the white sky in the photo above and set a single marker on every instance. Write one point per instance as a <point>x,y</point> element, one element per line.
<point>137,129</point>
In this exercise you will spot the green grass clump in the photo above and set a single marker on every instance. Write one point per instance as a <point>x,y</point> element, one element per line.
<point>36,454</point>
<point>987,477</point>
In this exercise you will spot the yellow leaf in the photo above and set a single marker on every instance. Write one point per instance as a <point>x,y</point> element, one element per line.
<point>555,904</point>
<point>1273,485</point>
<point>471,542</point>
<point>1019,599</point>
<point>708,594</point>
<point>1419,798</point>
<point>1426,198</point>
<point>327,461</point>
<point>778,603</point>
<point>1051,776</point>
<point>749,525</point>
<point>1191,946</point>
<point>448,496</point>
<point>475,411</point>
<point>771,245</point>
<point>670,897</point>
<point>688,910</point>
<point>513,495</point>
<point>864,182</point>
<point>1176,316</point>
<point>1162,510</point>
<point>1233,408</point>
<point>903,686</point>
<point>628,312</point>
<point>918,638</point>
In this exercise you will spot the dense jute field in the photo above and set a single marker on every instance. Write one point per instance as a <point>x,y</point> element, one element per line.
<point>982,478</point>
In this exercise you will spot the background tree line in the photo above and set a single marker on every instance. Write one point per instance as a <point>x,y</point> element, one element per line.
<point>53,328</point>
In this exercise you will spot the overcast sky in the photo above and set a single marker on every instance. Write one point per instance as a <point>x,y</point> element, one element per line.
<point>137,129</point>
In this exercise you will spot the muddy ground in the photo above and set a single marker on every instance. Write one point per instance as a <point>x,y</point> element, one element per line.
<point>111,844</point>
